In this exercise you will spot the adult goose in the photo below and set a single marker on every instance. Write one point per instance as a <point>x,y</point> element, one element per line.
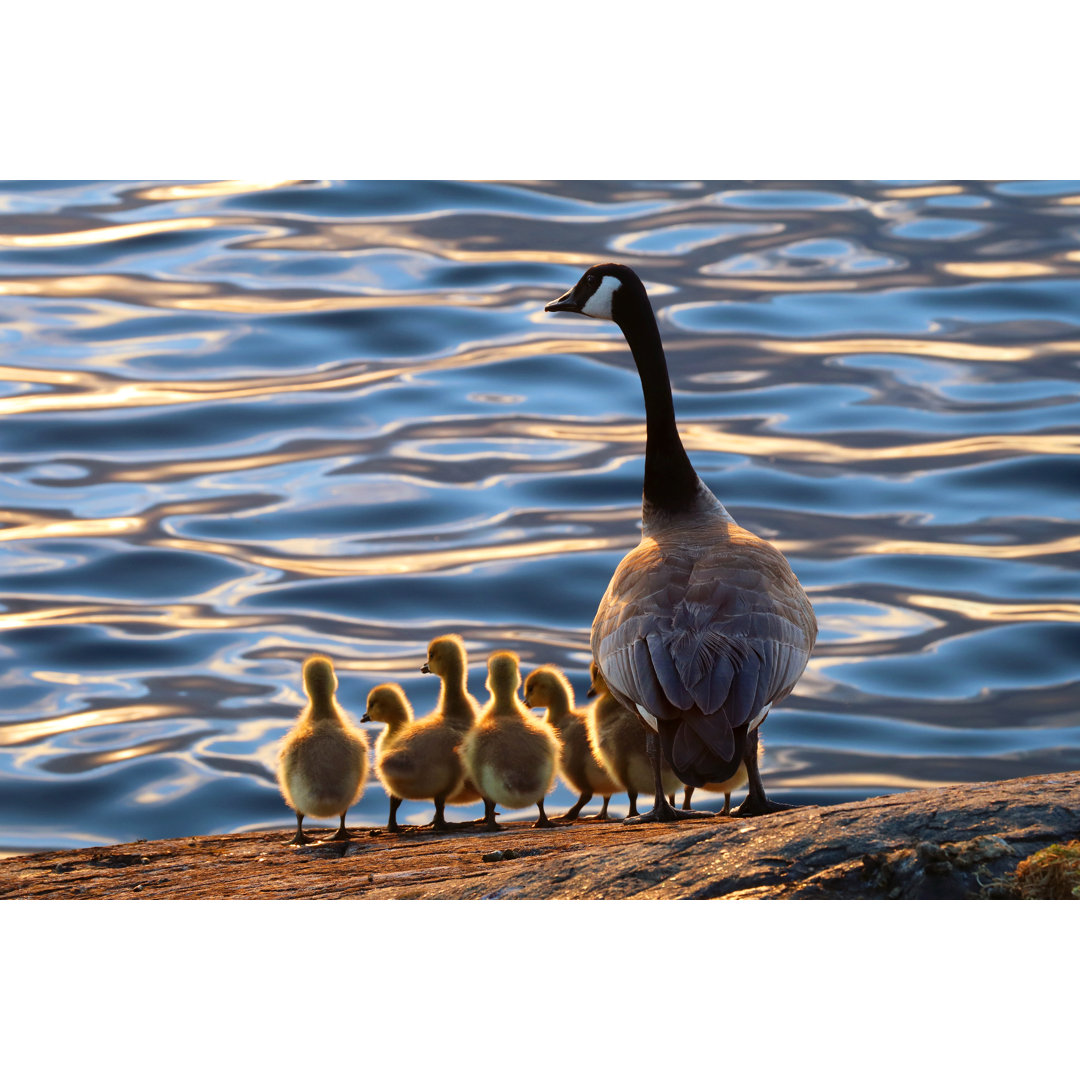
<point>704,626</point>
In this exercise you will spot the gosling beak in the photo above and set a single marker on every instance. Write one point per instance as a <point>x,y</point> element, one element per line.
<point>425,670</point>
<point>528,704</point>
<point>591,692</point>
<point>566,302</point>
<point>365,719</point>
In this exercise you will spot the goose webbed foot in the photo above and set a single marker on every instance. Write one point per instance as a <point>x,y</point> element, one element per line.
<point>758,807</point>
<point>664,811</point>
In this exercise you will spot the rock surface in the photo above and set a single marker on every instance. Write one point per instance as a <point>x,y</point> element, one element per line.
<point>940,843</point>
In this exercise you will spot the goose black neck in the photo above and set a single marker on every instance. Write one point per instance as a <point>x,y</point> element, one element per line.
<point>671,484</point>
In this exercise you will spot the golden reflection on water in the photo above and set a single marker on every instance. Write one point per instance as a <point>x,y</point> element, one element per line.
<point>44,529</point>
<point>925,192</point>
<point>212,190</point>
<point>1000,612</point>
<point>854,780</point>
<point>998,270</point>
<point>937,348</point>
<point>460,559</point>
<point>20,734</point>
<point>107,395</point>
<point>108,234</point>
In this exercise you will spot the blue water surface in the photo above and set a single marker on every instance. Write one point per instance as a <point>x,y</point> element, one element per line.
<point>248,422</point>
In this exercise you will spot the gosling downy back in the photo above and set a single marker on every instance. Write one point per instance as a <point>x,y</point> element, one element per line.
<point>323,761</point>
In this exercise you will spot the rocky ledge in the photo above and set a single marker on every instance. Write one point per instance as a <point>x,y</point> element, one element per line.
<point>961,842</point>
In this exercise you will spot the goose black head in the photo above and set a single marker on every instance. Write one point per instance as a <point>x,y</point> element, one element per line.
<point>605,291</point>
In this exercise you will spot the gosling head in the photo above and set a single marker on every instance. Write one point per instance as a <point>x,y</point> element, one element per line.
<point>605,291</point>
<point>547,686</point>
<point>387,704</point>
<point>445,654</point>
<point>320,682</point>
<point>503,674</point>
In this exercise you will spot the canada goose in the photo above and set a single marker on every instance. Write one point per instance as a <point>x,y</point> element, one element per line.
<point>617,738</point>
<point>456,708</point>
<point>703,627</point>
<point>548,688</point>
<point>509,754</point>
<point>414,759</point>
<point>323,761</point>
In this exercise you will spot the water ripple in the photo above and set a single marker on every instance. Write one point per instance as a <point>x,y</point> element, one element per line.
<point>243,422</point>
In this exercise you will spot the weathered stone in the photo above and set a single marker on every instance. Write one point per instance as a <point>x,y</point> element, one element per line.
<point>959,842</point>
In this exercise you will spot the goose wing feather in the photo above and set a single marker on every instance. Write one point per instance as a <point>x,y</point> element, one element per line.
<point>706,634</point>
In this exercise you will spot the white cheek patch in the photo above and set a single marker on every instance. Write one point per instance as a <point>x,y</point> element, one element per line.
<point>599,304</point>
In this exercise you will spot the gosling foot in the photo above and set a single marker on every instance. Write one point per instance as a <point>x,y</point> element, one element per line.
<point>301,839</point>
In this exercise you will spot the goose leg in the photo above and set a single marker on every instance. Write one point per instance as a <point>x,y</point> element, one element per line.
<point>542,821</point>
<point>392,825</point>
<point>489,816</point>
<point>688,794</point>
<point>572,813</point>
<point>662,810</point>
<point>299,839</point>
<point>756,802</point>
<point>342,833</point>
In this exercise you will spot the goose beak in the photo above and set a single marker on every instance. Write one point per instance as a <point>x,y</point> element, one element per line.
<point>425,670</point>
<point>566,302</point>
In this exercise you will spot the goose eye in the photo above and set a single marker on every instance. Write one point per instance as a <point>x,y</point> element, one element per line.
<point>590,279</point>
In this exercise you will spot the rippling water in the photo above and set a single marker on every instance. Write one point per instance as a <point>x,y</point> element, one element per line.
<point>247,422</point>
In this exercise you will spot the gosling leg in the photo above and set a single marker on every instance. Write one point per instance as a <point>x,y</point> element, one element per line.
<point>662,810</point>
<point>756,802</point>
<point>489,816</point>
<point>602,816</point>
<point>572,813</point>
<point>688,794</point>
<point>542,821</point>
<point>342,833</point>
<point>633,803</point>
<point>727,804</point>
<point>392,825</point>
<point>299,839</point>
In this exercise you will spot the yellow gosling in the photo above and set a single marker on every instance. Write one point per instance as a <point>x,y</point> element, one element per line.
<point>322,765</point>
<point>548,688</point>
<point>617,738</point>
<point>456,708</point>
<point>509,754</point>
<point>414,759</point>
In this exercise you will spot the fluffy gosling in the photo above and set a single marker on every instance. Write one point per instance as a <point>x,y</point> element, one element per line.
<point>548,688</point>
<point>414,759</point>
<point>509,754</point>
<point>617,738</point>
<point>322,765</point>
<point>457,709</point>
